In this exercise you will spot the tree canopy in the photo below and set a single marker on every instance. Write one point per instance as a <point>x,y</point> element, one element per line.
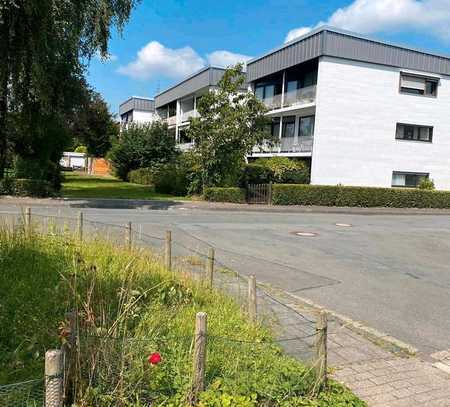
<point>45,46</point>
<point>230,123</point>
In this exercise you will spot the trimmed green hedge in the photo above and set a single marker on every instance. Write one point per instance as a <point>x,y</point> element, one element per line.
<point>359,196</point>
<point>26,187</point>
<point>143,176</point>
<point>234,195</point>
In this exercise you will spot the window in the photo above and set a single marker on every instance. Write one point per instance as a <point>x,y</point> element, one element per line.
<point>172,109</point>
<point>275,128</point>
<point>288,126</point>
<point>184,136</point>
<point>301,76</point>
<point>306,126</point>
<point>408,179</point>
<point>418,85</point>
<point>414,132</point>
<point>269,87</point>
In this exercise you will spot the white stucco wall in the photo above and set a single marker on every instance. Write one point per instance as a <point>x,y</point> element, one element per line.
<point>357,110</point>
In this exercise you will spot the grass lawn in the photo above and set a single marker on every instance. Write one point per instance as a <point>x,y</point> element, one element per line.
<point>130,307</point>
<point>78,185</point>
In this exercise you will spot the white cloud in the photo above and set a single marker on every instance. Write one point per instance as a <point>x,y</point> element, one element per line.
<point>297,32</point>
<point>226,58</point>
<point>155,59</point>
<point>371,16</point>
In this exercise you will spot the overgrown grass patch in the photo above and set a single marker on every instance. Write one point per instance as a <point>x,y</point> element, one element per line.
<point>128,307</point>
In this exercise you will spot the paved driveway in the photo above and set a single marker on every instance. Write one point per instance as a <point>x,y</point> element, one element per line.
<point>392,272</point>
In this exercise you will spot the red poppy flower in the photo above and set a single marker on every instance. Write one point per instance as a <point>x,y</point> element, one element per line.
<point>154,358</point>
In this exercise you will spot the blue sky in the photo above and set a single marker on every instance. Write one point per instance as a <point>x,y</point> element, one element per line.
<point>166,40</point>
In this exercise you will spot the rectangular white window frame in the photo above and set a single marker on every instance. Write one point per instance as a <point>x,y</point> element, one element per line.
<point>419,85</point>
<point>405,179</point>
<point>414,132</point>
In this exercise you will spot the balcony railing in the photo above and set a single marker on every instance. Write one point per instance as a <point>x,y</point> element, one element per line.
<point>172,120</point>
<point>296,144</point>
<point>187,115</point>
<point>287,145</point>
<point>273,102</point>
<point>300,96</point>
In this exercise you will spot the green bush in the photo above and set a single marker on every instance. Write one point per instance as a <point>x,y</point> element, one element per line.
<point>359,196</point>
<point>235,195</point>
<point>255,174</point>
<point>81,149</point>
<point>171,179</point>
<point>426,183</point>
<point>31,168</point>
<point>142,146</point>
<point>26,187</point>
<point>143,176</point>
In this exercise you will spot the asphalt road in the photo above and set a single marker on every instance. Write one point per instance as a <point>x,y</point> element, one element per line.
<point>391,272</point>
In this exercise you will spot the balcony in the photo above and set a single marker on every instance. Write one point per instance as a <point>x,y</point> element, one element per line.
<point>273,102</point>
<point>296,144</point>
<point>300,96</point>
<point>172,120</point>
<point>187,115</point>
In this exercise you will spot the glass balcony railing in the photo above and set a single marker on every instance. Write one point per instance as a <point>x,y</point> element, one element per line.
<point>187,115</point>
<point>300,96</point>
<point>273,102</point>
<point>296,144</point>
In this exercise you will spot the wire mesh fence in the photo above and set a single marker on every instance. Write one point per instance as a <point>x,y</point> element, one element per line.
<point>118,364</point>
<point>25,394</point>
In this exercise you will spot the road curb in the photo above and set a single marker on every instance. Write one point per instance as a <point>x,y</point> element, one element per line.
<point>378,337</point>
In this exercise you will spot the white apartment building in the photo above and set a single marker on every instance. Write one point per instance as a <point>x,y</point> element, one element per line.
<point>178,103</point>
<point>364,112</point>
<point>137,110</point>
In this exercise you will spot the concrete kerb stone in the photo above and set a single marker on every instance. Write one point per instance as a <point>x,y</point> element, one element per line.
<point>377,337</point>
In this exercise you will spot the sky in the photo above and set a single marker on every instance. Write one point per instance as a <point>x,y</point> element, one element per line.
<point>166,40</point>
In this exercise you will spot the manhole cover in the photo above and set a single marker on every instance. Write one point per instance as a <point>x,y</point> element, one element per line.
<point>344,225</point>
<point>305,234</point>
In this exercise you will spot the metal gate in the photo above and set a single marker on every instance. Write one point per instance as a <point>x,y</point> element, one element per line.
<point>259,194</point>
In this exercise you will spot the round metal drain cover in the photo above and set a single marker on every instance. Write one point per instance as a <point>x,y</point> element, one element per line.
<point>344,225</point>
<point>305,234</point>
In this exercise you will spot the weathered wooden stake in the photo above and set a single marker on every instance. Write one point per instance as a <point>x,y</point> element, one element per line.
<point>321,348</point>
<point>199,362</point>
<point>168,250</point>
<point>54,378</point>
<point>210,268</point>
<point>128,238</point>
<point>80,226</point>
<point>252,307</point>
<point>269,197</point>
<point>28,221</point>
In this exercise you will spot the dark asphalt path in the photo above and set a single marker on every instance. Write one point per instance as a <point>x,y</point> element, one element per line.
<point>391,272</point>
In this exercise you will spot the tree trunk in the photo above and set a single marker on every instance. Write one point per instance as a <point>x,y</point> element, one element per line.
<point>4,76</point>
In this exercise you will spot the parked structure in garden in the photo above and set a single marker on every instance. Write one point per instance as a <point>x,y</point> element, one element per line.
<point>364,112</point>
<point>137,110</point>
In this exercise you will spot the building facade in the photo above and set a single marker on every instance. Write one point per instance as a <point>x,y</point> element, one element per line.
<point>364,112</point>
<point>178,104</point>
<point>137,110</point>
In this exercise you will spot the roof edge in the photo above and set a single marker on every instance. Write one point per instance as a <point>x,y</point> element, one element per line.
<point>190,77</point>
<point>137,97</point>
<point>336,30</point>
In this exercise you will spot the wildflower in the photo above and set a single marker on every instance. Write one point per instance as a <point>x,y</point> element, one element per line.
<point>154,358</point>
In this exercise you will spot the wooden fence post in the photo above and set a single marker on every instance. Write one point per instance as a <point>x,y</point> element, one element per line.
<point>199,362</point>
<point>252,307</point>
<point>53,378</point>
<point>28,221</point>
<point>321,349</point>
<point>168,250</point>
<point>210,268</point>
<point>269,197</point>
<point>80,226</point>
<point>128,237</point>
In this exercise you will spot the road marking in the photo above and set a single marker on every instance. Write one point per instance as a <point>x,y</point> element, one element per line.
<point>344,225</point>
